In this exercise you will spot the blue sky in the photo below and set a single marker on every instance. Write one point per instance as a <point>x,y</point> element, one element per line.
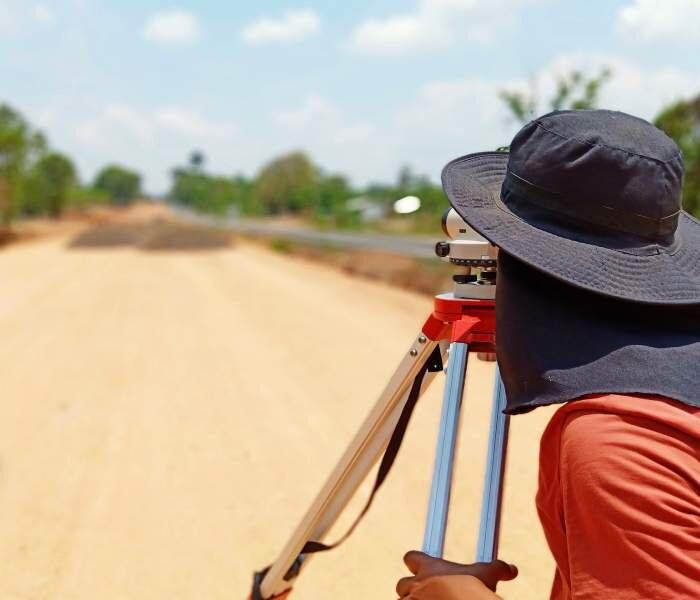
<point>364,87</point>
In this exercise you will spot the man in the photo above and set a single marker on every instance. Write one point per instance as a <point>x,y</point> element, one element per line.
<point>598,308</point>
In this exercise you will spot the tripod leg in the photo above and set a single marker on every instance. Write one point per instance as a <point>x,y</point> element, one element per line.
<point>436,522</point>
<point>359,458</point>
<point>489,529</point>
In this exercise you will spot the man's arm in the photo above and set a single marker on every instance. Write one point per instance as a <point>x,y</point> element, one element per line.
<point>630,501</point>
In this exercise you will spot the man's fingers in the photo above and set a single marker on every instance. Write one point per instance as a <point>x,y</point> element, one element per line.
<point>417,561</point>
<point>512,571</point>
<point>404,586</point>
<point>493,572</point>
<point>501,570</point>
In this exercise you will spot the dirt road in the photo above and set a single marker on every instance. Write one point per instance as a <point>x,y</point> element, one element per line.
<point>167,417</point>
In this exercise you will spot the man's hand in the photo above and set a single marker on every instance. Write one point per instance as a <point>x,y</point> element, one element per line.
<point>437,579</point>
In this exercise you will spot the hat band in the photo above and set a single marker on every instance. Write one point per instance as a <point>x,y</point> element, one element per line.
<point>528,201</point>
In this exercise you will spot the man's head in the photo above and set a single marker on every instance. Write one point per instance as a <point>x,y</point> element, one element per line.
<point>590,197</point>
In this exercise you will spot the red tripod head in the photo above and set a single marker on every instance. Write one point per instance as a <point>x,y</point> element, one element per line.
<point>467,320</point>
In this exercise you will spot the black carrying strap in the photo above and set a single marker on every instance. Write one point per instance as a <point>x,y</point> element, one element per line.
<point>258,577</point>
<point>433,364</point>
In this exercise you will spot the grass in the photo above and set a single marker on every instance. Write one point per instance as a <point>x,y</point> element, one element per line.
<point>427,276</point>
<point>281,245</point>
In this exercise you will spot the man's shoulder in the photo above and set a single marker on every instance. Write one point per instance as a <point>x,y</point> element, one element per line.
<point>602,416</point>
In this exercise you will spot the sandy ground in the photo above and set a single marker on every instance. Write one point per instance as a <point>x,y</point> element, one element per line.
<point>167,418</point>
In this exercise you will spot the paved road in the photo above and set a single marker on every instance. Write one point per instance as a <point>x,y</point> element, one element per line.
<point>419,247</point>
<point>166,418</point>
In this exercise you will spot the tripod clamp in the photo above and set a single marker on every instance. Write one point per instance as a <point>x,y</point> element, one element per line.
<point>463,320</point>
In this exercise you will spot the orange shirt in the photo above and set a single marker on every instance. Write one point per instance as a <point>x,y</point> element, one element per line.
<point>619,498</point>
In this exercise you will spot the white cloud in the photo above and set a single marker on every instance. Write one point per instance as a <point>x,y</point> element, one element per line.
<point>146,126</point>
<point>116,121</point>
<point>153,140</point>
<point>426,128</point>
<point>435,24</point>
<point>17,17</point>
<point>451,108</point>
<point>633,88</point>
<point>331,137</point>
<point>652,20</point>
<point>8,19</point>
<point>396,34</point>
<point>43,14</point>
<point>446,119</point>
<point>294,26</point>
<point>319,120</point>
<point>172,27</point>
<point>190,123</point>
<point>314,108</point>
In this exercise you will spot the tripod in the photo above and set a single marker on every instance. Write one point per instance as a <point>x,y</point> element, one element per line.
<point>464,322</point>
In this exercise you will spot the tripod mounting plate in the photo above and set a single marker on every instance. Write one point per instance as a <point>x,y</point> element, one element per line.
<point>465,320</point>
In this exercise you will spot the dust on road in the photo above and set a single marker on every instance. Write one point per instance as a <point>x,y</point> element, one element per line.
<point>168,417</point>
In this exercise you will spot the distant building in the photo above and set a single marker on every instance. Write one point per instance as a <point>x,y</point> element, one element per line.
<point>368,208</point>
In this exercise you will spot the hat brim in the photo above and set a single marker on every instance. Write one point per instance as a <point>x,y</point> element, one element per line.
<point>473,186</point>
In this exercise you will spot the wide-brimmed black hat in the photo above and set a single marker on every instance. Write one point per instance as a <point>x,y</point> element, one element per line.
<point>590,197</point>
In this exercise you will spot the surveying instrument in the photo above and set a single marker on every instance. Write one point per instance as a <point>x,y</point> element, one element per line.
<point>461,323</point>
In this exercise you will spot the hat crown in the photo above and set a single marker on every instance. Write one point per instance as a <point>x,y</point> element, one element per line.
<point>601,167</point>
<point>614,130</point>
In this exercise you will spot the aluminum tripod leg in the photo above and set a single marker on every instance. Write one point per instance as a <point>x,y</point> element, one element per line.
<point>487,545</point>
<point>359,458</point>
<point>439,504</point>
<point>436,522</point>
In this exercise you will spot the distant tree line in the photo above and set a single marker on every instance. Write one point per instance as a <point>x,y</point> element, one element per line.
<point>293,184</point>
<point>289,184</point>
<point>36,180</point>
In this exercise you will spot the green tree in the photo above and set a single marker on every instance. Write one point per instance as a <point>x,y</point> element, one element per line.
<point>82,197</point>
<point>202,192</point>
<point>288,184</point>
<point>331,209</point>
<point>19,145</point>
<point>246,200</point>
<point>193,187</point>
<point>573,90</point>
<point>50,184</point>
<point>681,121</point>
<point>333,193</point>
<point>121,184</point>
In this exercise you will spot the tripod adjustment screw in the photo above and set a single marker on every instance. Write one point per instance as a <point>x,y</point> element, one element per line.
<point>422,339</point>
<point>413,352</point>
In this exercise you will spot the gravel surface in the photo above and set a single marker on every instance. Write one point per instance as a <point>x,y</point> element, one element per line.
<point>168,417</point>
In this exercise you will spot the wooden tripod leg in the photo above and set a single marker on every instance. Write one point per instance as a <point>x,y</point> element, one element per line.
<point>361,455</point>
